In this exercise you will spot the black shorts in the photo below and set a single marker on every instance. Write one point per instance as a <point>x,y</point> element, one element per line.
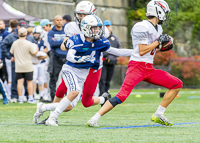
<point>26,75</point>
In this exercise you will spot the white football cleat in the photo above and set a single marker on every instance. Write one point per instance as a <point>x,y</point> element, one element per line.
<point>24,99</point>
<point>51,121</point>
<point>92,123</point>
<point>38,113</point>
<point>14,100</point>
<point>33,101</point>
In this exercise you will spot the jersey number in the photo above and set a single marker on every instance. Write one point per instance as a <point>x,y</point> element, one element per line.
<point>153,51</point>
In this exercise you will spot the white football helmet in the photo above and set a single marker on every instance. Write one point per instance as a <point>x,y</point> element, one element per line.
<point>84,7</point>
<point>39,29</point>
<point>159,9</point>
<point>90,21</point>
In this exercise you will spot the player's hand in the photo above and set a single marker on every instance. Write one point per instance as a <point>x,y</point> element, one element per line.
<point>42,57</point>
<point>12,59</point>
<point>163,39</point>
<point>65,44</point>
<point>1,64</point>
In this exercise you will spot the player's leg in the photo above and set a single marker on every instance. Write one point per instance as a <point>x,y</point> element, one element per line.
<point>74,82</point>
<point>110,73</point>
<point>133,77</point>
<point>4,93</point>
<point>165,79</point>
<point>89,89</point>
<point>29,80</point>
<point>41,107</point>
<point>20,83</point>
<point>41,76</point>
<point>102,82</point>
<point>35,76</point>
<point>9,68</point>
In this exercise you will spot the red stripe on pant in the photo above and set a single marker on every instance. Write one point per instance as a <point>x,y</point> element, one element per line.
<point>88,89</point>
<point>141,71</point>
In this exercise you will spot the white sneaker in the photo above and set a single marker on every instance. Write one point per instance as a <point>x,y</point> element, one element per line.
<point>51,121</point>
<point>24,99</point>
<point>33,101</point>
<point>14,100</point>
<point>20,101</point>
<point>36,96</point>
<point>38,113</point>
<point>92,123</point>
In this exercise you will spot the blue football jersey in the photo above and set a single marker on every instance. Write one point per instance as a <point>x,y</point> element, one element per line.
<point>85,54</point>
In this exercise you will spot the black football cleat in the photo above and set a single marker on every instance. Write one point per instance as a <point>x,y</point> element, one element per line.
<point>42,122</point>
<point>107,96</point>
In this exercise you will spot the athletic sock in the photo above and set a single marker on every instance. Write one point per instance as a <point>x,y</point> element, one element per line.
<point>30,97</point>
<point>21,98</point>
<point>61,107</point>
<point>102,100</point>
<point>160,110</point>
<point>97,116</point>
<point>49,107</point>
<point>41,93</point>
<point>45,91</point>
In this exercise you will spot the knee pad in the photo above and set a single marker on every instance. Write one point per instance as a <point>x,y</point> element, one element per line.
<point>114,101</point>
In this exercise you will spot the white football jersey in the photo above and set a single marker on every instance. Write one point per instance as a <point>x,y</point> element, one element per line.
<point>144,33</point>
<point>46,43</point>
<point>72,29</point>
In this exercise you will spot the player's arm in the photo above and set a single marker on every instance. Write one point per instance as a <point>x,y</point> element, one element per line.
<point>45,50</point>
<point>62,46</point>
<point>144,49</point>
<point>119,52</point>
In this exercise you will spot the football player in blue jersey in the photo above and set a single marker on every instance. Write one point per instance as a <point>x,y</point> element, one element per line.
<point>84,52</point>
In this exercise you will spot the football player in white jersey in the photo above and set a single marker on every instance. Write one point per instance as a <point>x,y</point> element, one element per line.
<point>84,52</point>
<point>146,36</point>
<point>39,69</point>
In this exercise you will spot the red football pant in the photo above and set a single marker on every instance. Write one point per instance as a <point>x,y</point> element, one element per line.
<point>141,71</point>
<point>90,86</point>
<point>88,89</point>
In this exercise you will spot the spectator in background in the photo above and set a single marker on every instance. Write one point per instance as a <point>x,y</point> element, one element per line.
<point>46,25</point>
<point>58,57</point>
<point>5,45</point>
<point>39,69</point>
<point>66,19</point>
<point>23,50</point>
<point>3,75</point>
<point>30,31</point>
<point>13,24</point>
<point>109,60</point>
<point>2,89</point>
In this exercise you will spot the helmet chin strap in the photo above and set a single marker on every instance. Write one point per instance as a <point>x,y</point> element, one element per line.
<point>160,22</point>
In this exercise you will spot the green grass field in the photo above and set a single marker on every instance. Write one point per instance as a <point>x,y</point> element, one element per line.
<point>16,123</point>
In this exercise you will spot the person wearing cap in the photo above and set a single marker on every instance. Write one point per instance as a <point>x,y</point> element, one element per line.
<point>109,60</point>
<point>5,45</point>
<point>46,25</point>
<point>66,19</point>
<point>57,57</point>
<point>23,50</point>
